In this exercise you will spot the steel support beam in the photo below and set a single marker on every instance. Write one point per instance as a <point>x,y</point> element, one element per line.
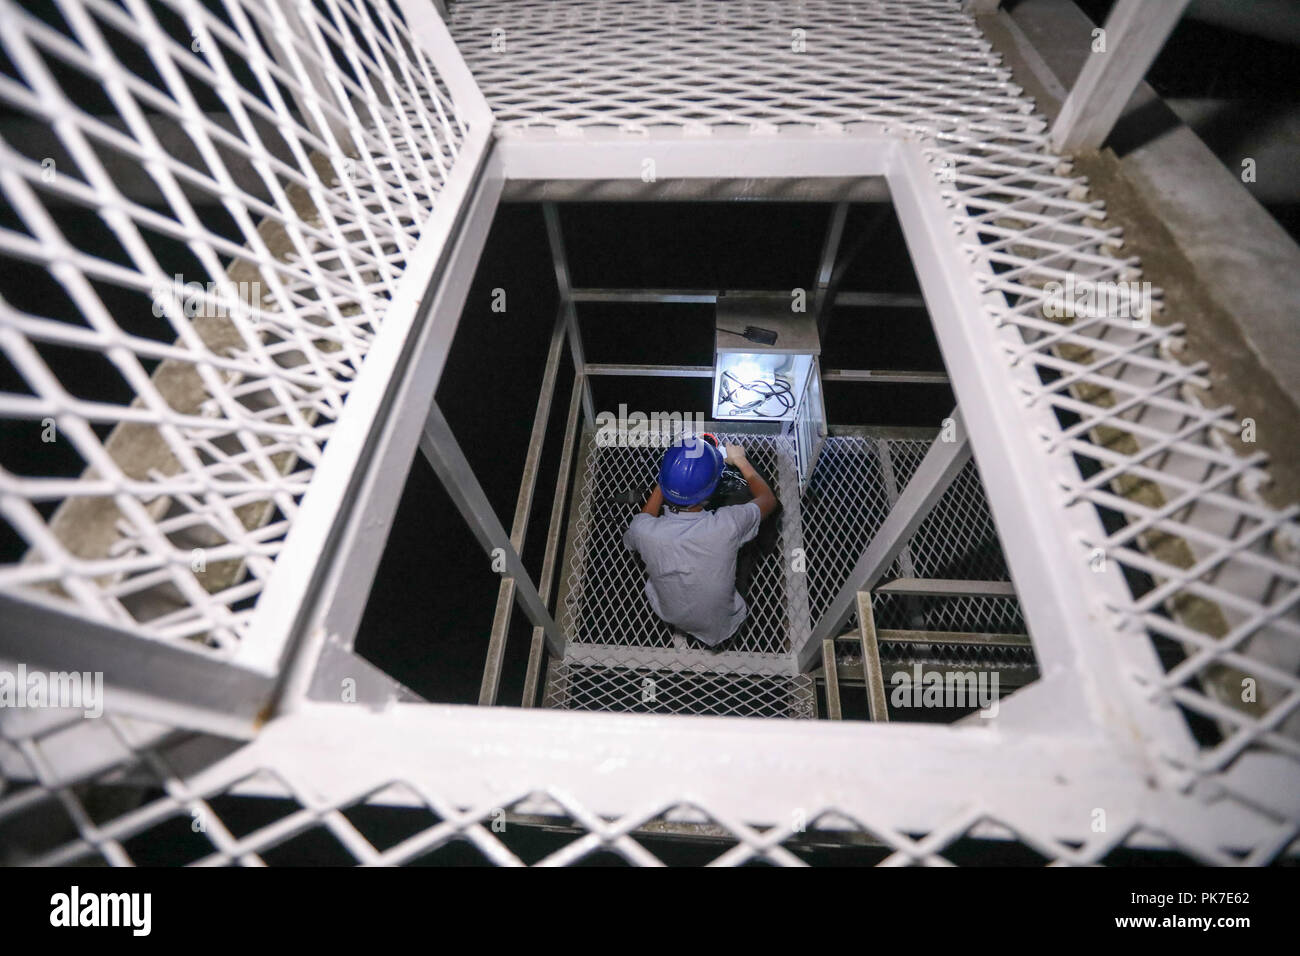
<point>885,376</point>
<point>872,673</point>
<point>470,756</point>
<point>153,680</point>
<point>444,453</point>
<point>644,296</point>
<point>653,371</point>
<point>864,154</point>
<point>824,292</point>
<point>942,587</point>
<point>953,637</point>
<point>722,188</point>
<point>523,507</point>
<point>833,709</point>
<point>696,659</point>
<point>533,674</point>
<point>880,300</point>
<point>867,300</point>
<point>558,504</point>
<point>556,239</point>
<point>1134,32</point>
<point>933,476</point>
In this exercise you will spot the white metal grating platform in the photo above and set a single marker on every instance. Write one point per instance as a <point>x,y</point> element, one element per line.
<point>605,604</point>
<point>1080,419</point>
<point>617,641</point>
<point>238,389</point>
<point>622,657</point>
<point>666,684</point>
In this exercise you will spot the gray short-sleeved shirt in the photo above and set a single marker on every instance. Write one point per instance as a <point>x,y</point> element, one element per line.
<point>691,560</point>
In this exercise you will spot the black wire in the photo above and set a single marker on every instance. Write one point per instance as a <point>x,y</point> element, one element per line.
<point>766,392</point>
<point>758,336</point>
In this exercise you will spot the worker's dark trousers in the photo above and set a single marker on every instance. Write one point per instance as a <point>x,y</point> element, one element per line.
<point>736,492</point>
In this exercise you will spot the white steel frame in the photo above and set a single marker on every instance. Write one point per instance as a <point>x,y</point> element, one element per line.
<point>1098,733</point>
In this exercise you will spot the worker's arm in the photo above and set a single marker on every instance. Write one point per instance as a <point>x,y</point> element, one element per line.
<point>763,496</point>
<point>655,503</point>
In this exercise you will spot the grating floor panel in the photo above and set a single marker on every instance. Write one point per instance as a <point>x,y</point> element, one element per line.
<point>605,603</point>
<point>623,658</point>
<point>661,687</point>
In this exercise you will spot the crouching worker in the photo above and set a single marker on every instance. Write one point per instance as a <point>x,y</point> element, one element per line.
<point>690,553</point>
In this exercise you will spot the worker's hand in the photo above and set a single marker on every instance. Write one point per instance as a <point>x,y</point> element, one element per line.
<point>735,454</point>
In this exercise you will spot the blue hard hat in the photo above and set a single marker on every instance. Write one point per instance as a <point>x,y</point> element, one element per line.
<point>690,471</point>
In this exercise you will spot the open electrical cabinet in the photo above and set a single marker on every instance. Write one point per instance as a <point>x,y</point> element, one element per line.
<point>767,368</point>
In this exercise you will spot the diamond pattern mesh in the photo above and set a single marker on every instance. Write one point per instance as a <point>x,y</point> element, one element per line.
<point>876,60</point>
<point>849,496</point>
<point>957,539</point>
<point>265,234</point>
<point>665,686</point>
<point>606,603</point>
<point>248,808</point>
<point>842,506</point>
<point>982,615</point>
<point>1213,570</point>
<point>605,607</point>
<point>958,655</point>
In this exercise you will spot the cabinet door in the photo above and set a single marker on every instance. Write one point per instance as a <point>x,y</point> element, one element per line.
<point>809,425</point>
